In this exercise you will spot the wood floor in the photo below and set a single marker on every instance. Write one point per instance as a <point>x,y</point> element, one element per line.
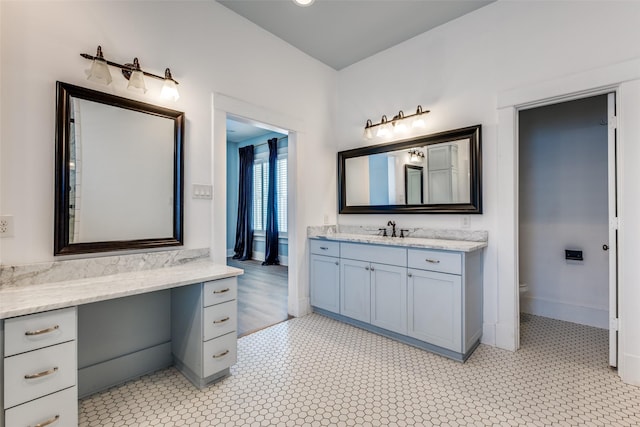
<point>262,295</point>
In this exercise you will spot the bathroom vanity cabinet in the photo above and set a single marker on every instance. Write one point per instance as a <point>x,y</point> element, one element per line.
<point>38,333</point>
<point>430,298</point>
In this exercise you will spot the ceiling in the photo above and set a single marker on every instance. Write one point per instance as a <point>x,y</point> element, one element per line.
<point>342,32</point>
<point>240,131</point>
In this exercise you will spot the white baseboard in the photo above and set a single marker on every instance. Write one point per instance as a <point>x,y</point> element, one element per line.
<point>259,256</point>
<point>584,315</point>
<point>488,334</point>
<point>631,369</point>
<point>302,308</point>
<point>505,336</point>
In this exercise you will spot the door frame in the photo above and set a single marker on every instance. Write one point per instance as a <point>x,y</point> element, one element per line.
<point>505,325</point>
<point>222,106</point>
<point>612,202</point>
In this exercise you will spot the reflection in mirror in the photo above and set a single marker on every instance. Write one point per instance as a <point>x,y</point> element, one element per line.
<point>118,173</point>
<point>436,173</point>
<point>413,184</point>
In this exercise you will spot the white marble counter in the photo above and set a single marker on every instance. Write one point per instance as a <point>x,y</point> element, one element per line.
<point>410,242</point>
<point>33,298</point>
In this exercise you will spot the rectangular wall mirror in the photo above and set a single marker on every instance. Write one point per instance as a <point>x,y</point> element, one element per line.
<point>119,173</point>
<point>439,173</point>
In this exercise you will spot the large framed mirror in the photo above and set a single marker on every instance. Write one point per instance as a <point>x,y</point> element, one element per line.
<point>119,173</point>
<point>438,173</point>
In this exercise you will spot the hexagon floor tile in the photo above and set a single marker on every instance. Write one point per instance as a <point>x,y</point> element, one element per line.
<point>314,371</point>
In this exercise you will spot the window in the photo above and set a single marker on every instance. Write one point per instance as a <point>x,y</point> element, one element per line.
<point>261,192</point>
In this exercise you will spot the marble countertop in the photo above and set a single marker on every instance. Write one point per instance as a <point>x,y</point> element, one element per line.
<point>26,299</point>
<point>410,242</point>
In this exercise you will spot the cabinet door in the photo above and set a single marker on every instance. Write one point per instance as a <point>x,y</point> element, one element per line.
<point>435,308</point>
<point>355,289</point>
<point>325,283</point>
<point>389,297</point>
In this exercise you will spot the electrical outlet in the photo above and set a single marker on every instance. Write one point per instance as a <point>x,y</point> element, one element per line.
<point>6,226</point>
<point>326,219</point>
<point>465,221</point>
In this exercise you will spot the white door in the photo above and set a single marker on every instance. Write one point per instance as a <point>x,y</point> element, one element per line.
<point>613,232</point>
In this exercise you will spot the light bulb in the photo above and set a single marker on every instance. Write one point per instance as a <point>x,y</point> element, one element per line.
<point>169,89</point>
<point>400,127</point>
<point>418,122</point>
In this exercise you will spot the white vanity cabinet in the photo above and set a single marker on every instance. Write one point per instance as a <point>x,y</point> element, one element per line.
<point>428,298</point>
<point>324,269</point>
<point>40,369</point>
<point>204,319</point>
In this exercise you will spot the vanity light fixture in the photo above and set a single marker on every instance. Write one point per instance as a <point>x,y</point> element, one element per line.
<point>399,126</point>
<point>169,89</point>
<point>99,72</point>
<point>398,123</point>
<point>136,78</point>
<point>416,155</point>
<point>383,130</point>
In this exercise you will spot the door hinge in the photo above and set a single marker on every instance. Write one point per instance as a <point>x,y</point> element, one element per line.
<point>613,122</point>
<point>613,324</point>
<point>614,223</point>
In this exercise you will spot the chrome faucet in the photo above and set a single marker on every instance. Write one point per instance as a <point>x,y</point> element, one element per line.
<point>393,229</point>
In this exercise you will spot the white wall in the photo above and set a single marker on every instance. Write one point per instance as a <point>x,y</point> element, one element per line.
<point>209,50</point>
<point>459,71</point>
<point>564,205</point>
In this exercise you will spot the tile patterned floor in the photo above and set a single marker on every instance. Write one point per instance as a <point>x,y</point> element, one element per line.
<point>315,371</point>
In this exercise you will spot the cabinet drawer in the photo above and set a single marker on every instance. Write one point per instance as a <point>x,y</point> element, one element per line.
<point>219,291</point>
<point>220,320</point>
<point>324,247</point>
<point>39,330</point>
<point>56,410</point>
<point>442,261</point>
<point>53,368</point>
<point>374,253</point>
<point>219,354</point>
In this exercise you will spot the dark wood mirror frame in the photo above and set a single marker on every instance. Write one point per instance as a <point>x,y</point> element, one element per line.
<point>473,133</point>
<point>62,244</point>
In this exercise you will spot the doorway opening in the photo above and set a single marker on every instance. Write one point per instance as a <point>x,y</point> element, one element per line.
<point>567,210</point>
<point>262,289</point>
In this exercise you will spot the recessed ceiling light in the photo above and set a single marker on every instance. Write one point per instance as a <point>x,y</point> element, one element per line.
<point>303,3</point>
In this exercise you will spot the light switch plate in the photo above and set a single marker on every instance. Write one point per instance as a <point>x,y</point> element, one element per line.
<point>465,221</point>
<point>6,226</point>
<point>202,191</point>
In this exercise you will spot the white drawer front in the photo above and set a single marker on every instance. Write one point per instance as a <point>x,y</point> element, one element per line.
<point>220,320</point>
<point>39,330</point>
<point>219,291</point>
<point>53,368</point>
<point>56,410</point>
<point>388,255</point>
<point>442,261</point>
<point>219,354</point>
<point>324,247</point>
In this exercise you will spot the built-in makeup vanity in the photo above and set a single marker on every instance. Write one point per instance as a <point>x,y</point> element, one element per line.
<point>424,291</point>
<point>39,334</point>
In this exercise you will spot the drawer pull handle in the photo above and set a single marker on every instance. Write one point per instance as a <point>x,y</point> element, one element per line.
<point>41,374</point>
<point>222,291</point>
<point>219,355</point>
<point>42,331</point>
<point>409,275</point>
<point>48,422</point>
<point>221,320</point>
<point>324,248</point>
<point>433,261</point>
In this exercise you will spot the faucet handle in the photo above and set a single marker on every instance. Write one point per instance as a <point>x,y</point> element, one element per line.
<point>384,231</point>
<point>402,231</point>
